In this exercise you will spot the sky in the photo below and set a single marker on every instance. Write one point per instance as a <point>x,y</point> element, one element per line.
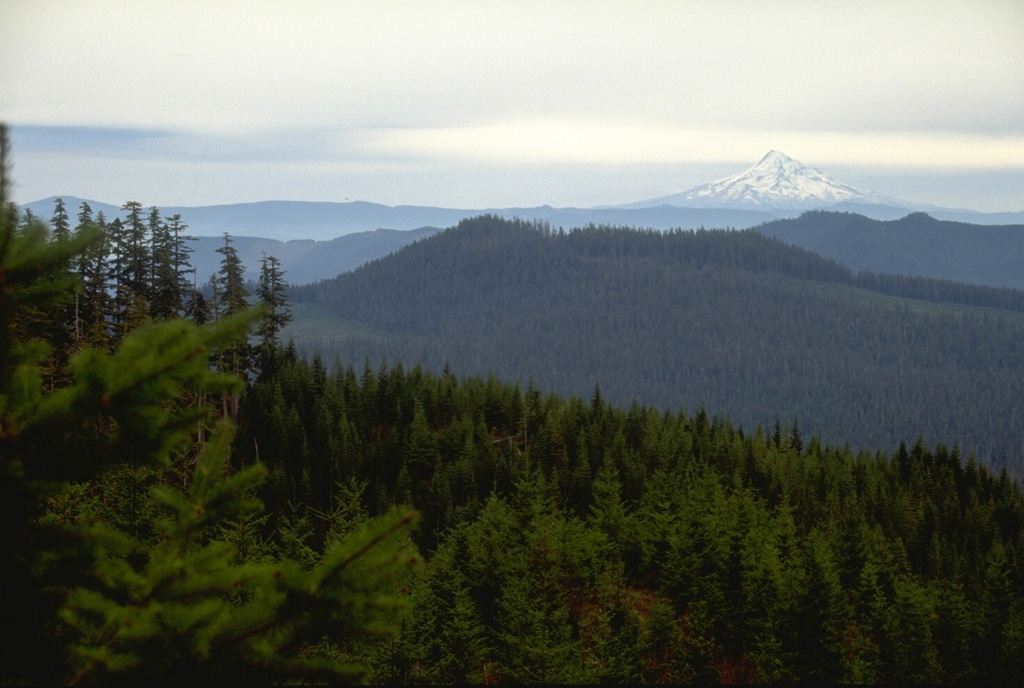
<point>503,104</point>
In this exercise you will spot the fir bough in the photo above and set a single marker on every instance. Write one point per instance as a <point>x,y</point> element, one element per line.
<point>92,593</point>
<point>182,609</point>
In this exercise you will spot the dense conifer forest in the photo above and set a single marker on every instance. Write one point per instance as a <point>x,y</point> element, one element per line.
<point>127,552</point>
<point>732,321</point>
<point>568,540</point>
<point>185,499</point>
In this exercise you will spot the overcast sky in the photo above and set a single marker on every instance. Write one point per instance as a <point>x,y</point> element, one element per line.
<point>496,104</point>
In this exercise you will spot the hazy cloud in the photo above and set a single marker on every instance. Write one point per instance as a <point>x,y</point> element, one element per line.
<point>442,84</point>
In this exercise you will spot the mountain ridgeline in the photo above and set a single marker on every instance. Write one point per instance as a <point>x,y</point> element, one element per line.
<point>915,244</point>
<point>739,323</point>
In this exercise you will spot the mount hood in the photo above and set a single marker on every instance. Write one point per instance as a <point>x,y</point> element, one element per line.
<point>776,182</point>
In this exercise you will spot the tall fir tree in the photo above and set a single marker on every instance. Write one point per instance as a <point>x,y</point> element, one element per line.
<point>231,280</point>
<point>231,297</point>
<point>272,292</point>
<point>119,275</point>
<point>60,224</point>
<point>138,269</point>
<point>95,306</point>
<point>180,250</point>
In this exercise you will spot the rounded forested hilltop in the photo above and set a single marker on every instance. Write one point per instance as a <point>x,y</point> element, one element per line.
<point>742,324</point>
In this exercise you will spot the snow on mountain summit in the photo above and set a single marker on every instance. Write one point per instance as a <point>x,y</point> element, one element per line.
<point>775,182</point>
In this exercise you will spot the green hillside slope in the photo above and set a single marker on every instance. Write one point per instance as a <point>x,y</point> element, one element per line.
<point>744,325</point>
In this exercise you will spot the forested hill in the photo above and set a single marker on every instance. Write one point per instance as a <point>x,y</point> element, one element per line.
<point>742,324</point>
<point>917,244</point>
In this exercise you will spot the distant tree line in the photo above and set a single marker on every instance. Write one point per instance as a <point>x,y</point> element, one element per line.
<point>137,269</point>
<point>941,291</point>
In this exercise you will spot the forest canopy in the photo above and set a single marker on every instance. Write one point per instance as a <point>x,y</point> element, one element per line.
<point>738,323</point>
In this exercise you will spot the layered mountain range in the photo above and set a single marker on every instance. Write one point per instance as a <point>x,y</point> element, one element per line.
<point>776,187</point>
<point>320,240</point>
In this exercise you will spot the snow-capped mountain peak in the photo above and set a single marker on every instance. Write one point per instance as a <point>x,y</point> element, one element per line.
<point>775,182</point>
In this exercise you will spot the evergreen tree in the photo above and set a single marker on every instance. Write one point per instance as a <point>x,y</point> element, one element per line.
<point>796,440</point>
<point>271,290</point>
<point>165,281</point>
<point>82,267</point>
<point>231,280</point>
<point>135,267</point>
<point>122,297</point>
<point>192,611</point>
<point>231,297</point>
<point>32,278</point>
<point>608,514</point>
<point>538,641</point>
<point>197,308</point>
<point>139,257</point>
<point>65,336</point>
<point>94,306</point>
<point>446,639</point>
<point>60,225</point>
<point>178,256</point>
<point>156,597</point>
<point>84,215</point>
<point>28,219</point>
